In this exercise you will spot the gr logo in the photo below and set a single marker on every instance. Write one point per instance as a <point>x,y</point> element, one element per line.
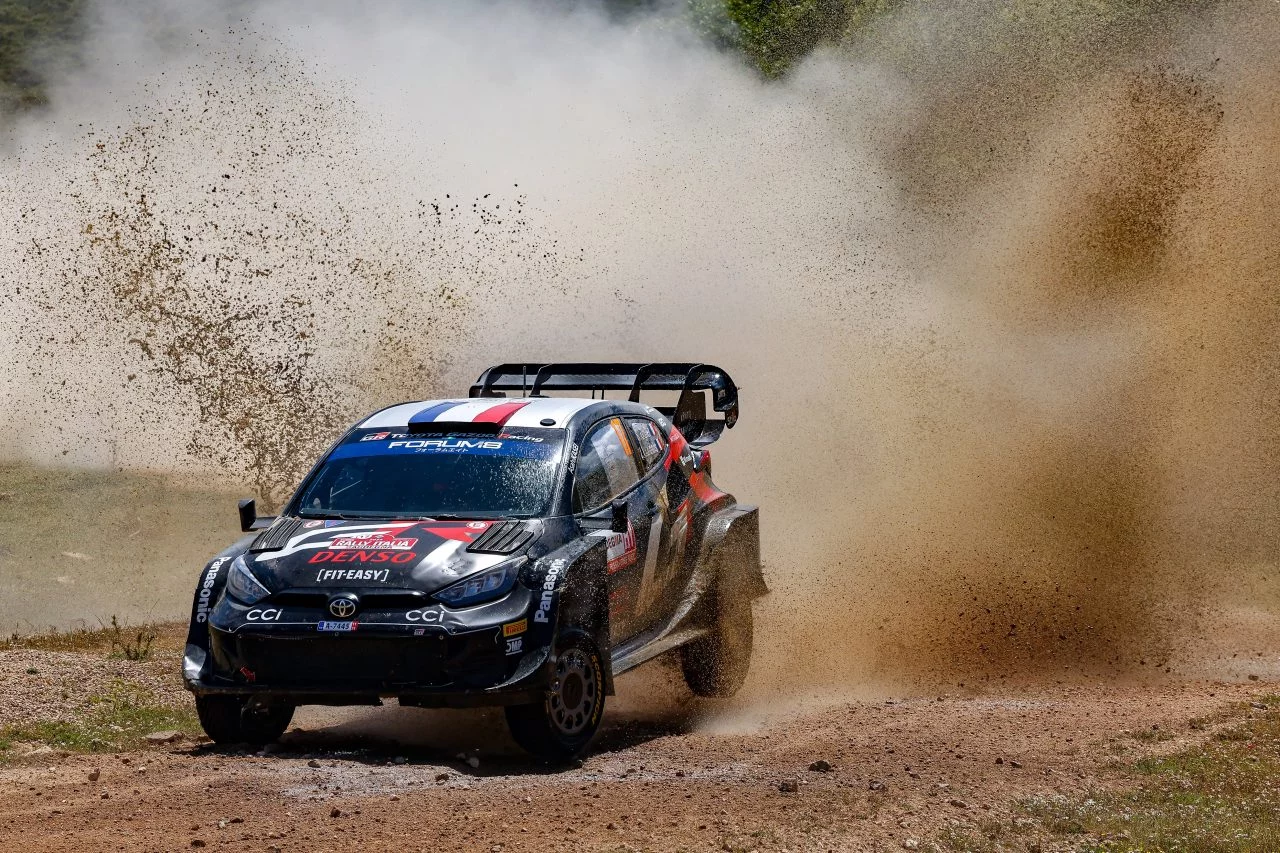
<point>268,614</point>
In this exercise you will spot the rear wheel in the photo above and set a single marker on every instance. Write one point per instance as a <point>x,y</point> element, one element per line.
<point>560,727</point>
<point>229,719</point>
<point>715,665</point>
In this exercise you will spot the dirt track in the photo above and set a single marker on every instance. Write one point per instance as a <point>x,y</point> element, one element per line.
<point>662,777</point>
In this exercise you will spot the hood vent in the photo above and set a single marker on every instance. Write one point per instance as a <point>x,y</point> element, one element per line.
<point>505,537</point>
<point>277,535</point>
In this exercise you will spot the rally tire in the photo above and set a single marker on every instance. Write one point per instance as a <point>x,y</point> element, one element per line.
<point>559,728</point>
<point>715,665</point>
<point>226,720</point>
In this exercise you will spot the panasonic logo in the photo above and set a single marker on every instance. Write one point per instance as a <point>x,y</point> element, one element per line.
<point>543,613</point>
<point>206,589</point>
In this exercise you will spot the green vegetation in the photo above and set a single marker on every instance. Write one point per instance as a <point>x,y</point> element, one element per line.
<point>1223,795</point>
<point>34,34</point>
<point>114,721</point>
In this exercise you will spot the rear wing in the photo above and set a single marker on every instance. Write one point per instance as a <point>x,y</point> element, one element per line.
<point>690,379</point>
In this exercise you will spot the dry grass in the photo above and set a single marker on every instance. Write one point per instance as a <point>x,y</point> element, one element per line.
<point>1223,795</point>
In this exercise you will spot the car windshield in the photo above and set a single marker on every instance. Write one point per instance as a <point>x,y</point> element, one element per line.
<point>377,473</point>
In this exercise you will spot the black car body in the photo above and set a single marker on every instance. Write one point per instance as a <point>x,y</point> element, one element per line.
<point>496,550</point>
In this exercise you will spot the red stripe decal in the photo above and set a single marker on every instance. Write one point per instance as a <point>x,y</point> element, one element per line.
<point>499,413</point>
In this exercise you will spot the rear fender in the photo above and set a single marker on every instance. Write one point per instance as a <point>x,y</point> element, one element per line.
<point>731,544</point>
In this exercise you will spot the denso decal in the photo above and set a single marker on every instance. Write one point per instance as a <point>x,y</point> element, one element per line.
<point>622,549</point>
<point>379,575</point>
<point>268,614</point>
<point>543,613</point>
<point>431,615</point>
<point>363,557</point>
<point>206,588</point>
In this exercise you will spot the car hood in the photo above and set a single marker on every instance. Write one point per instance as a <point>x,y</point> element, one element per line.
<point>419,555</point>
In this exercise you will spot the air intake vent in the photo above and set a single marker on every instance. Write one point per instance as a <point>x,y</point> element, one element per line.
<point>505,537</point>
<point>277,535</point>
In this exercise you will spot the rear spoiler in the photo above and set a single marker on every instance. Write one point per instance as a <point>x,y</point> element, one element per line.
<point>689,413</point>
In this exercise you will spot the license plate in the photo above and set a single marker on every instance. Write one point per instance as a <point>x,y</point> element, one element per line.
<point>337,626</point>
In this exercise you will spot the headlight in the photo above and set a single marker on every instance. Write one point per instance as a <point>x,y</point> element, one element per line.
<point>242,585</point>
<point>482,586</point>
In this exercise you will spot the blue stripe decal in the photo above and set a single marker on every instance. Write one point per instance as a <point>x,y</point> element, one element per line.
<point>428,415</point>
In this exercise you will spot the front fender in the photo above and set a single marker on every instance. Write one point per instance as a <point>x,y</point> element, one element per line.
<point>208,589</point>
<point>570,592</point>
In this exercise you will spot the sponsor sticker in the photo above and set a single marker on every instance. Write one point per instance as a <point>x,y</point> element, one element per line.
<point>311,524</point>
<point>267,614</point>
<point>622,552</point>
<point>347,543</point>
<point>516,646</point>
<point>206,589</point>
<point>376,436</point>
<point>418,632</point>
<point>512,628</point>
<point>431,615</point>
<point>340,627</point>
<point>363,557</point>
<point>379,575</point>
<point>543,613</point>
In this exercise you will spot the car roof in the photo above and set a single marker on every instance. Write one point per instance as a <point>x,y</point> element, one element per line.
<point>515,412</point>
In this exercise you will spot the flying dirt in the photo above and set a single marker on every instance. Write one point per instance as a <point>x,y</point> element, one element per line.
<point>1002,283</point>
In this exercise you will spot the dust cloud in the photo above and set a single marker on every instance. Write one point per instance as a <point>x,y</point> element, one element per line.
<point>1000,293</point>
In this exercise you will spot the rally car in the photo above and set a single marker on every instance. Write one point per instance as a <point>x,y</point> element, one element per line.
<point>518,548</point>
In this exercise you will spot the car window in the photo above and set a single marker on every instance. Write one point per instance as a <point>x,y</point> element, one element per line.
<point>605,467</point>
<point>649,444</point>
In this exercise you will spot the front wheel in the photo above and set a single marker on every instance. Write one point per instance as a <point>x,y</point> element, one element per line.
<point>561,726</point>
<point>715,665</point>
<point>229,719</point>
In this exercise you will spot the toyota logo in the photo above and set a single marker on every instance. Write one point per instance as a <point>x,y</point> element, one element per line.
<point>343,607</point>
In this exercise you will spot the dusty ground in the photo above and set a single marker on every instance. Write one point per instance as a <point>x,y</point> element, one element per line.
<point>666,774</point>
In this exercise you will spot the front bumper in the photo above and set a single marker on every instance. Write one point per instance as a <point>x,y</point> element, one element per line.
<point>460,658</point>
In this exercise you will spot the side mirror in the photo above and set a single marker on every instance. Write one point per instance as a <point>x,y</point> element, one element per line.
<point>248,513</point>
<point>619,508</point>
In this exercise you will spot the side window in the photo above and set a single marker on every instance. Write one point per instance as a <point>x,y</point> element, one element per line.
<point>648,441</point>
<point>606,467</point>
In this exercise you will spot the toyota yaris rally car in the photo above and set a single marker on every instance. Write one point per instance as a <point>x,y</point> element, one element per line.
<point>518,548</point>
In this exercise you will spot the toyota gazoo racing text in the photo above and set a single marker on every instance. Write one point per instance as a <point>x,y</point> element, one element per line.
<point>520,548</point>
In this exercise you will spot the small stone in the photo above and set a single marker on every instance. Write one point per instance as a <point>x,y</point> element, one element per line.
<point>95,774</point>
<point>237,820</point>
<point>395,798</point>
<point>820,766</point>
<point>473,762</point>
<point>105,795</point>
<point>442,777</point>
<point>313,763</point>
<point>335,812</point>
<point>164,737</point>
<point>1257,706</point>
<point>196,842</point>
<point>910,844</point>
<point>611,825</point>
<point>788,786</point>
<point>960,804</point>
<point>1253,678</point>
<point>877,785</point>
<point>1016,765</point>
<point>222,824</point>
<point>999,760</point>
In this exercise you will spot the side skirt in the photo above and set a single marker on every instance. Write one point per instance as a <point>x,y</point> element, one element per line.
<point>646,647</point>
